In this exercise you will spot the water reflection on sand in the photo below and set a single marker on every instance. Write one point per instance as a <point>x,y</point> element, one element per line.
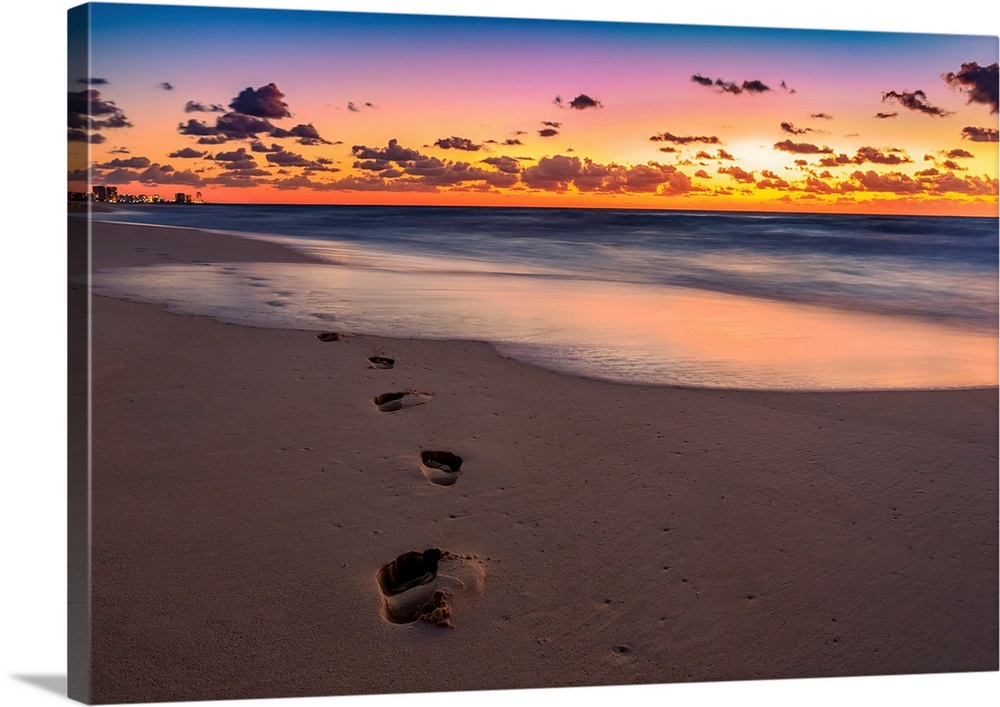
<point>620,331</point>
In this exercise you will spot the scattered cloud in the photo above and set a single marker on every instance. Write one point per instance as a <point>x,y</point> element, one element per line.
<point>891,156</point>
<point>581,102</point>
<point>94,81</point>
<point>686,139</point>
<point>789,128</point>
<point>167,86</point>
<point>980,134</point>
<point>801,148</point>
<point>821,116</point>
<point>737,173</point>
<point>508,165</point>
<point>195,107</point>
<point>750,86</point>
<point>980,82</point>
<point>265,102</point>
<point>394,152</point>
<point>187,153</point>
<point>884,116</point>
<point>130,163</point>
<point>548,132</point>
<point>916,101</point>
<point>304,134</point>
<point>457,143</point>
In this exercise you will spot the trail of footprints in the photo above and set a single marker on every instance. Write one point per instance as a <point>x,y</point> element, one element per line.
<point>418,585</point>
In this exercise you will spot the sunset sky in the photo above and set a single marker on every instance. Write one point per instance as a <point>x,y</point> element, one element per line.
<point>312,107</point>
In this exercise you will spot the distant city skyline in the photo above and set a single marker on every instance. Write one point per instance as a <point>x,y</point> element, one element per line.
<point>310,107</point>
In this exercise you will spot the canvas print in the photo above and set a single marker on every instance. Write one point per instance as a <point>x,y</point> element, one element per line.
<point>417,353</point>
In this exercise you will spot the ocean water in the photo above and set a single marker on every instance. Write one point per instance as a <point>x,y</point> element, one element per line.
<point>705,299</point>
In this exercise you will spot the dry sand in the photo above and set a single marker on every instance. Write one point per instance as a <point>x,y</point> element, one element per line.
<point>246,491</point>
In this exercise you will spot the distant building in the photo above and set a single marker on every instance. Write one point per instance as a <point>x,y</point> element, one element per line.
<point>182,198</point>
<point>100,193</point>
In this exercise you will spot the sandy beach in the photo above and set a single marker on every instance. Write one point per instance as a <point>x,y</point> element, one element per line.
<point>247,491</point>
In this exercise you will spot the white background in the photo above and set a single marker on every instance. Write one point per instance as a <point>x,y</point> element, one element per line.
<point>33,158</point>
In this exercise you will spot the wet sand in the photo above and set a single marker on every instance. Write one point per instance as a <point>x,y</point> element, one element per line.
<point>247,490</point>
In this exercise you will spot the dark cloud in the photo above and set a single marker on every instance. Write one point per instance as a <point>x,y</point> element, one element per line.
<point>784,87</point>
<point>917,101</point>
<point>821,116</point>
<point>723,155</point>
<point>258,146</point>
<point>353,108</point>
<point>737,173</point>
<point>457,143</point>
<point>551,124</point>
<point>892,182</point>
<point>187,153</point>
<point>548,132</point>
<point>512,141</point>
<point>750,86</point>
<point>837,161</point>
<point>292,159</point>
<point>756,86</point>
<point>196,127</point>
<point>237,159</point>
<point>265,102</point>
<point>88,113</point>
<point>891,156</point>
<point>581,102</point>
<point>212,140</point>
<point>953,165</point>
<point>801,148</point>
<point>508,165</point>
<point>971,185</point>
<point>374,165</point>
<point>130,163</point>
<point>560,172</point>
<point>394,152</point>
<point>980,134</point>
<point>305,134</point>
<point>584,101</point>
<point>78,135</point>
<point>195,107</point>
<point>685,140</point>
<point>241,126</point>
<point>94,81</point>
<point>167,86</point>
<point>980,82</point>
<point>883,116</point>
<point>85,106</point>
<point>959,153</point>
<point>789,128</point>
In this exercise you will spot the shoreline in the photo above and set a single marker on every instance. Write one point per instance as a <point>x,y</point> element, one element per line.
<point>238,247</point>
<point>246,492</point>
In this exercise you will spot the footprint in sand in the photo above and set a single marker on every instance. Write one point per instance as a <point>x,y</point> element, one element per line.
<point>381,362</point>
<point>421,586</point>
<point>328,336</point>
<point>441,468</point>
<point>390,402</point>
